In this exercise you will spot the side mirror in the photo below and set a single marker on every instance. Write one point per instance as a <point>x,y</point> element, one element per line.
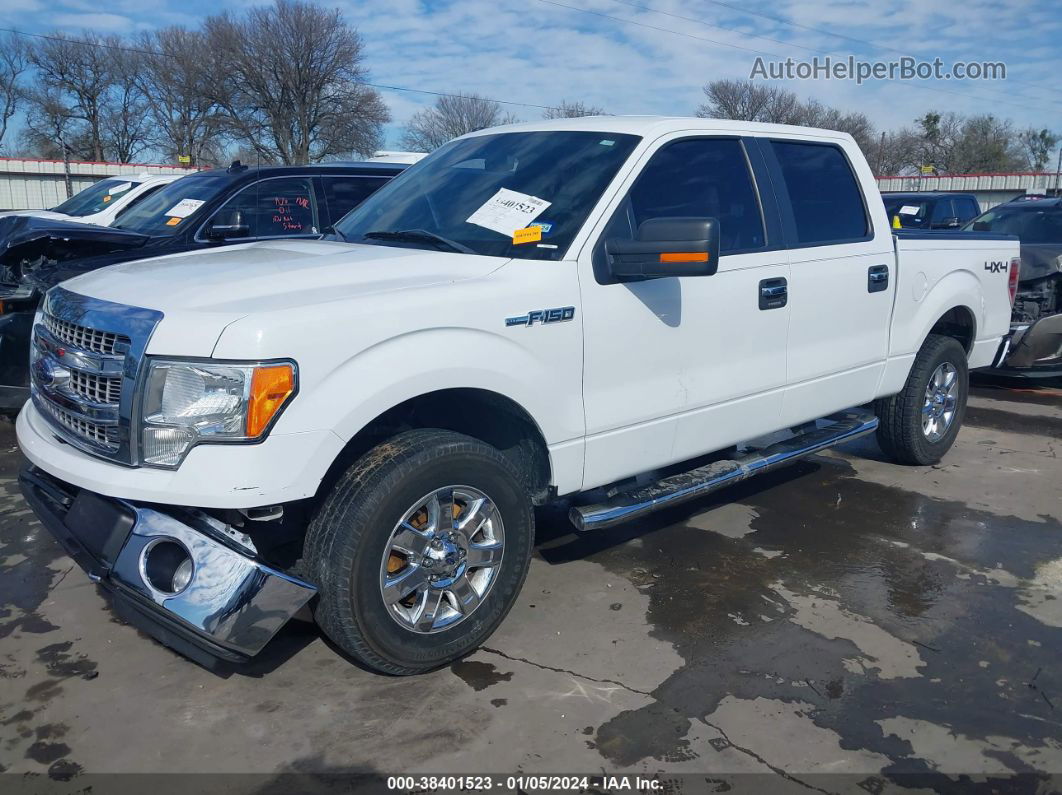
<point>667,247</point>
<point>227,225</point>
<point>982,226</point>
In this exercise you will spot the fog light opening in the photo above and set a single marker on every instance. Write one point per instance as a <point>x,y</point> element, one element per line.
<point>166,566</point>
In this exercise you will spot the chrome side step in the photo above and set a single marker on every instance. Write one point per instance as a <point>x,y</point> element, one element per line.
<point>623,507</point>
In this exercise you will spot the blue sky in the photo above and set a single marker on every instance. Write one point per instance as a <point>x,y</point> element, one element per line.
<point>629,57</point>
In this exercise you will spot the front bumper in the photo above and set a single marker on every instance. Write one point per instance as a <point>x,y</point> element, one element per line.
<point>1032,351</point>
<point>233,603</point>
<point>284,468</point>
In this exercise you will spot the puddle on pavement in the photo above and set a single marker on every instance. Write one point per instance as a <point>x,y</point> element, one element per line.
<point>884,603</point>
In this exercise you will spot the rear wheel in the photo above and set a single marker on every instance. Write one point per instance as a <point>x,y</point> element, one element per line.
<point>919,425</point>
<point>420,550</point>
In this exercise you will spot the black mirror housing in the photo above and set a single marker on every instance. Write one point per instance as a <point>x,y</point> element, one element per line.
<point>227,231</point>
<point>666,247</point>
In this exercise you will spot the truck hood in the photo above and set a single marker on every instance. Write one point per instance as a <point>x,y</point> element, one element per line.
<point>30,244</point>
<point>1040,259</point>
<point>252,278</point>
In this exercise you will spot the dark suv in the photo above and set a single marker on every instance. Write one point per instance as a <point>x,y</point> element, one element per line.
<point>931,210</point>
<point>208,208</point>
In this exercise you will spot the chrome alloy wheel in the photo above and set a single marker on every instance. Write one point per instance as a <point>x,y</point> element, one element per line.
<point>942,399</point>
<point>442,559</point>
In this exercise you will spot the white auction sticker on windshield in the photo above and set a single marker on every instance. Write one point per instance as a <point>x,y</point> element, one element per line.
<point>508,210</point>
<point>909,209</point>
<point>121,187</point>
<point>184,208</point>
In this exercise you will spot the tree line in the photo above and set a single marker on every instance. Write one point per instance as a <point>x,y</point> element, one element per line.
<point>281,83</point>
<point>946,142</point>
<point>287,83</point>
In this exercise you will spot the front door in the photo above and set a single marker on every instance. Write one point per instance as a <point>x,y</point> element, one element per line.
<point>676,367</point>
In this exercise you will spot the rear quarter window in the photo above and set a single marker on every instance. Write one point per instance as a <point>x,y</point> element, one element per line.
<point>823,192</point>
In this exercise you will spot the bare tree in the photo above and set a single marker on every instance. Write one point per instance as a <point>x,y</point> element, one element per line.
<point>172,75</point>
<point>14,62</point>
<point>78,73</point>
<point>745,100</point>
<point>451,117</point>
<point>288,81</point>
<point>1038,146</point>
<point>748,101</point>
<point>125,123</point>
<point>572,110</point>
<point>50,127</point>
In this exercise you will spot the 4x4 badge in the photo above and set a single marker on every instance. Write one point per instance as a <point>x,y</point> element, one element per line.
<point>556,315</point>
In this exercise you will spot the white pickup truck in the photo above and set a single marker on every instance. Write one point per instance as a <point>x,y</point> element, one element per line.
<point>532,312</point>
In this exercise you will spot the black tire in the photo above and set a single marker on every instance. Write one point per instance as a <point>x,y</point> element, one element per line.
<point>900,432</point>
<point>347,537</point>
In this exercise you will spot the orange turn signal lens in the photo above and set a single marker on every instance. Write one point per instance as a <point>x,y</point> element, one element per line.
<point>271,386</point>
<point>684,256</point>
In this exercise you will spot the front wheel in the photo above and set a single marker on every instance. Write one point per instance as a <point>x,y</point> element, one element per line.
<point>420,550</point>
<point>919,425</point>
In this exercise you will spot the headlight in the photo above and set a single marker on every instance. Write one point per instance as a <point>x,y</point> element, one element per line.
<point>188,402</point>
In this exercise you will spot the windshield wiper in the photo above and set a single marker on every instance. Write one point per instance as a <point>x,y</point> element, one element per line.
<point>420,236</point>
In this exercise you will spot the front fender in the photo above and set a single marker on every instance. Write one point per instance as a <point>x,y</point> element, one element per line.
<point>420,362</point>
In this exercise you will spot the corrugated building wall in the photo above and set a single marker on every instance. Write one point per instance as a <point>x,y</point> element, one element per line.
<point>27,184</point>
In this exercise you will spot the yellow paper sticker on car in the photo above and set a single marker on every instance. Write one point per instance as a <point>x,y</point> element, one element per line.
<point>173,222</point>
<point>530,234</point>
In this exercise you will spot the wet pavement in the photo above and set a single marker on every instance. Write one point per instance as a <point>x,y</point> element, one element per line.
<point>843,624</point>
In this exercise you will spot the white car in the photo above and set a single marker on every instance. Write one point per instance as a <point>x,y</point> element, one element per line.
<point>536,311</point>
<point>101,202</point>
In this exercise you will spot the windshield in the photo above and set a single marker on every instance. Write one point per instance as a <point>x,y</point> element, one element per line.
<point>1030,223</point>
<point>912,212</point>
<point>476,193</point>
<point>171,207</point>
<point>96,198</point>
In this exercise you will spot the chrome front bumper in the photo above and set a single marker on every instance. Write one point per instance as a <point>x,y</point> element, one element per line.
<point>232,604</point>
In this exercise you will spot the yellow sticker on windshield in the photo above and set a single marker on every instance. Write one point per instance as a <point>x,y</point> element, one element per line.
<point>106,199</point>
<point>531,234</point>
<point>173,222</point>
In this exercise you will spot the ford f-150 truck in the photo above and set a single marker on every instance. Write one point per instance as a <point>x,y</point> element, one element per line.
<point>582,309</point>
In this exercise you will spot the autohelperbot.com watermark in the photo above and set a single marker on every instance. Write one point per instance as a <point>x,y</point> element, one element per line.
<point>851,68</point>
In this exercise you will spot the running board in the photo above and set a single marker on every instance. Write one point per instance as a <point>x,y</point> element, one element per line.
<point>643,500</point>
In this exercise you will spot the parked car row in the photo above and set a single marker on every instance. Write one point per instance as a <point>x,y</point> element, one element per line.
<point>103,201</point>
<point>1034,347</point>
<point>201,210</point>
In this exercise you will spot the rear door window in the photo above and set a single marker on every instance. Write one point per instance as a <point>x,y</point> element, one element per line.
<point>965,209</point>
<point>823,192</point>
<point>344,193</point>
<point>943,211</point>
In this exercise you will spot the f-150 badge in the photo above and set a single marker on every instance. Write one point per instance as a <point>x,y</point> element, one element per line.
<point>555,315</point>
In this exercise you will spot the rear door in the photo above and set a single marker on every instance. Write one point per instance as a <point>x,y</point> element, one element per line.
<point>676,367</point>
<point>342,193</point>
<point>842,279</point>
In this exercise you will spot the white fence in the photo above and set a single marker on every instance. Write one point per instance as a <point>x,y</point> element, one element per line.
<point>27,184</point>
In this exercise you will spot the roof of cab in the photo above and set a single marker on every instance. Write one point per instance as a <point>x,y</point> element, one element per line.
<point>653,126</point>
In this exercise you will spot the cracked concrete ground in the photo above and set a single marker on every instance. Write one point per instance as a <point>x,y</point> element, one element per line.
<point>845,623</point>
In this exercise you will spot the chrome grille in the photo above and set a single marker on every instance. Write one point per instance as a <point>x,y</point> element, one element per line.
<point>97,388</point>
<point>84,360</point>
<point>105,436</point>
<point>83,337</point>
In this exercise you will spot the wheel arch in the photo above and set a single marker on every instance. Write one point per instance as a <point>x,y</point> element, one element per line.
<point>483,414</point>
